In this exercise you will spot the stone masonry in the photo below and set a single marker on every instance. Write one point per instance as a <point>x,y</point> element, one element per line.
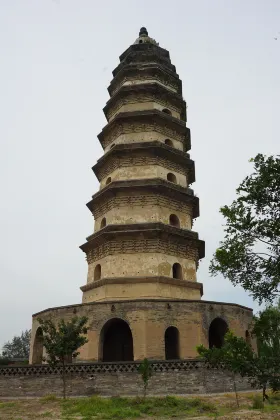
<point>141,296</point>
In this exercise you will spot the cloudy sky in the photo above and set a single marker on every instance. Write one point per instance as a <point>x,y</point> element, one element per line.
<point>56,62</point>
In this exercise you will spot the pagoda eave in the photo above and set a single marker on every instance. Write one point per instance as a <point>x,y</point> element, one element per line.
<point>155,148</point>
<point>155,184</point>
<point>151,71</point>
<point>145,231</point>
<point>157,117</point>
<point>153,89</point>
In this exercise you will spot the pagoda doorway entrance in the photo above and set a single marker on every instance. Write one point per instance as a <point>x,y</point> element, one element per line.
<point>116,342</point>
<point>218,329</point>
<point>38,347</point>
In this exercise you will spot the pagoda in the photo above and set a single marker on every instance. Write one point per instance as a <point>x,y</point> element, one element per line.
<point>142,297</point>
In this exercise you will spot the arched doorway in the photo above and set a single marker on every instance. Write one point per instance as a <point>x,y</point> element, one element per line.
<point>171,340</point>
<point>37,356</point>
<point>116,342</point>
<point>248,337</point>
<point>217,331</point>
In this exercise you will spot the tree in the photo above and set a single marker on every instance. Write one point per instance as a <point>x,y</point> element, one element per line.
<point>236,356</point>
<point>262,368</point>
<point>267,332</point>
<point>146,372</point>
<point>18,347</point>
<point>249,255</point>
<point>62,341</point>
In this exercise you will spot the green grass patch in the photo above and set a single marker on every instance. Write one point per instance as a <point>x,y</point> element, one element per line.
<point>124,408</point>
<point>49,397</point>
<point>4,405</point>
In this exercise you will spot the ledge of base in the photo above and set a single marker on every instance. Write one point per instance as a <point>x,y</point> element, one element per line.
<point>125,302</point>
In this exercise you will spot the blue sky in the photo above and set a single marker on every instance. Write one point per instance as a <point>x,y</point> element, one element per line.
<point>56,62</point>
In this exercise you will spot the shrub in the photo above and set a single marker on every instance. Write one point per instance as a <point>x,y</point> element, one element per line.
<point>257,402</point>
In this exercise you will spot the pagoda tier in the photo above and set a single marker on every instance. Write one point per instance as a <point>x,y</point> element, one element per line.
<point>143,245</point>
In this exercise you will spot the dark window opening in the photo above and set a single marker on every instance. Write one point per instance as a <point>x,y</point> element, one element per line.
<point>177,271</point>
<point>217,330</point>
<point>112,145</point>
<point>174,220</point>
<point>108,180</point>
<point>167,111</point>
<point>168,142</point>
<point>97,272</point>
<point>116,342</point>
<point>103,223</point>
<point>171,178</point>
<point>171,340</point>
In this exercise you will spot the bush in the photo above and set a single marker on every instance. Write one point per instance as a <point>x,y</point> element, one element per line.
<point>4,361</point>
<point>257,402</point>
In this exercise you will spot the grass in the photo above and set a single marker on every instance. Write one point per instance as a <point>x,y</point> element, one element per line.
<point>129,408</point>
<point>156,408</point>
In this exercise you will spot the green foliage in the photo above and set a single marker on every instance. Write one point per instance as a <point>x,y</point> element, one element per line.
<point>122,408</point>
<point>250,252</point>
<point>267,364</point>
<point>48,397</point>
<point>4,361</point>
<point>63,340</point>
<point>18,347</point>
<point>235,355</point>
<point>145,369</point>
<point>257,402</point>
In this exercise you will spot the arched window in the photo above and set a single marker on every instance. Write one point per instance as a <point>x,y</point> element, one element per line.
<point>167,111</point>
<point>171,340</point>
<point>248,337</point>
<point>171,178</point>
<point>112,145</point>
<point>37,355</point>
<point>108,180</point>
<point>177,272</point>
<point>97,272</point>
<point>116,342</point>
<point>174,220</point>
<point>103,223</point>
<point>168,142</point>
<point>217,331</point>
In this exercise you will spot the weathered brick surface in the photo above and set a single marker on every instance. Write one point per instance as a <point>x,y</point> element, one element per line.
<point>120,383</point>
<point>148,320</point>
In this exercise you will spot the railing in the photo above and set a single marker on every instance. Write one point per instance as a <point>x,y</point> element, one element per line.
<point>103,367</point>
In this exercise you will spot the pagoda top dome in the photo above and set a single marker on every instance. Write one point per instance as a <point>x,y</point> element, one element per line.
<point>144,38</point>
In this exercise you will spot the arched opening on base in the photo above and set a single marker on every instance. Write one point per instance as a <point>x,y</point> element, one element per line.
<point>38,347</point>
<point>217,330</point>
<point>248,337</point>
<point>171,340</point>
<point>116,342</point>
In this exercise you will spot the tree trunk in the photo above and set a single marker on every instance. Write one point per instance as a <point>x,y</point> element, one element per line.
<point>265,396</point>
<point>235,390</point>
<point>64,379</point>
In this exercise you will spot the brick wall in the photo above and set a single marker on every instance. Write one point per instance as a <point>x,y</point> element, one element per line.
<point>113,379</point>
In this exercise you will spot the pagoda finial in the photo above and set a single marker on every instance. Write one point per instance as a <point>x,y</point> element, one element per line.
<point>143,31</point>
